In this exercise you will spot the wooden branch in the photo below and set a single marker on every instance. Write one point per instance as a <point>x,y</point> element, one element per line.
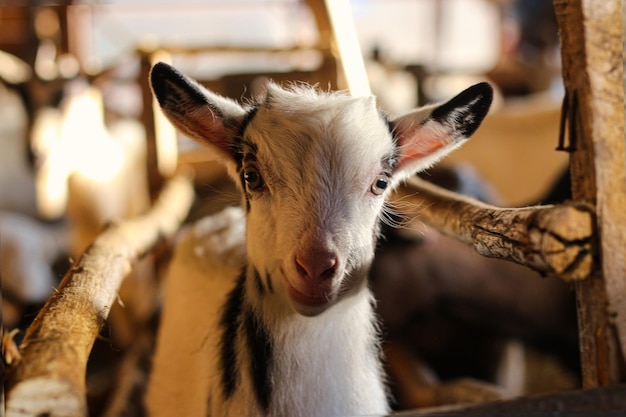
<point>50,377</point>
<point>553,240</point>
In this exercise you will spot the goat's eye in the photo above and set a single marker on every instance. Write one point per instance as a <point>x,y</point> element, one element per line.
<point>380,184</point>
<point>252,178</point>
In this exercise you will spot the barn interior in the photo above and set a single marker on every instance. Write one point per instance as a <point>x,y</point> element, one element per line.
<point>84,147</point>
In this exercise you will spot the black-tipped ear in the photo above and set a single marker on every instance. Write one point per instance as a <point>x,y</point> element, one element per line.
<point>425,135</point>
<point>172,89</point>
<point>466,111</point>
<point>204,116</point>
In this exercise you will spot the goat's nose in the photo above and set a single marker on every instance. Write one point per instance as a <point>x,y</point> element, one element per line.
<point>317,264</point>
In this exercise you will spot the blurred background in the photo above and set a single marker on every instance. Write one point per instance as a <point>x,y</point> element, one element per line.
<point>81,142</point>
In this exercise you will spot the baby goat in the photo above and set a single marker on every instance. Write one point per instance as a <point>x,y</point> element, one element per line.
<point>276,318</point>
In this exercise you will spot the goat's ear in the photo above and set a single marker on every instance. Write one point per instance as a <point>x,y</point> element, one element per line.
<point>426,135</point>
<point>204,116</point>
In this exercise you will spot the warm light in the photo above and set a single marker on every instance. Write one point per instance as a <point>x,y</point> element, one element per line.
<point>68,66</point>
<point>349,48</point>
<point>87,146</point>
<point>50,181</point>
<point>13,69</point>
<point>75,142</point>
<point>45,65</point>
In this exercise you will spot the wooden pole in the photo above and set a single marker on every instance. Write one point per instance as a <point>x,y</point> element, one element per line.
<point>592,58</point>
<point>336,32</point>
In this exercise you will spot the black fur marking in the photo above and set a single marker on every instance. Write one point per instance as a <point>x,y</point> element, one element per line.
<point>261,359</point>
<point>258,282</point>
<point>230,322</point>
<point>241,155</point>
<point>174,91</point>
<point>391,161</point>
<point>239,141</point>
<point>469,108</point>
<point>246,194</point>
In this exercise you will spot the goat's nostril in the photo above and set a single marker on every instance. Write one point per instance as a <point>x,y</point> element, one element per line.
<point>316,265</point>
<point>302,271</point>
<point>328,273</point>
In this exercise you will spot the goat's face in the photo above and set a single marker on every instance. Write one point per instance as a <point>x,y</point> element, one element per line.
<point>315,170</point>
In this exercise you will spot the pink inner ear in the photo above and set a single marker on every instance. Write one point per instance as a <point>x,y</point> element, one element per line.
<point>421,141</point>
<point>220,136</point>
<point>208,128</point>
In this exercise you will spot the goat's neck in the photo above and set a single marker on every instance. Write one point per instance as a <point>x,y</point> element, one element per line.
<point>334,356</point>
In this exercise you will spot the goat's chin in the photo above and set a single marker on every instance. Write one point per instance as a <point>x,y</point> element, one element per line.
<point>307,304</point>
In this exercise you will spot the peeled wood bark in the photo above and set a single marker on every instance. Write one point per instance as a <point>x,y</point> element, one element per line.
<point>50,377</point>
<point>553,240</point>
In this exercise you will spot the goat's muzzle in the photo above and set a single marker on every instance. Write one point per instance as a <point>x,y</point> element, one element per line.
<point>316,265</point>
<point>313,283</point>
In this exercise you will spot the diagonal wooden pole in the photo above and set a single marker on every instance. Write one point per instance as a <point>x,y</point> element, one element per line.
<point>49,379</point>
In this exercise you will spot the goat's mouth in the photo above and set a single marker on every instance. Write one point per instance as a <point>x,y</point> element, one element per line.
<point>311,298</point>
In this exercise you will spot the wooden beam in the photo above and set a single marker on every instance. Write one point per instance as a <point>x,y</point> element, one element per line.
<point>597,402</point>
<point>592,58</point>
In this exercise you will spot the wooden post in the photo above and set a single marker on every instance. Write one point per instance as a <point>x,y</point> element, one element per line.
<point>591,44</point>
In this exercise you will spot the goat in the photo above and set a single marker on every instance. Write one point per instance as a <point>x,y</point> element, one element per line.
<point>275,318</point>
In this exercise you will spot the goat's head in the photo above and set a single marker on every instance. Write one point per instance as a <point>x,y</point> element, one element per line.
<point>315,169</point>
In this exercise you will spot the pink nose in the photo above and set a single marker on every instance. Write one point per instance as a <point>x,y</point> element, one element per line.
<point>316,264</point>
